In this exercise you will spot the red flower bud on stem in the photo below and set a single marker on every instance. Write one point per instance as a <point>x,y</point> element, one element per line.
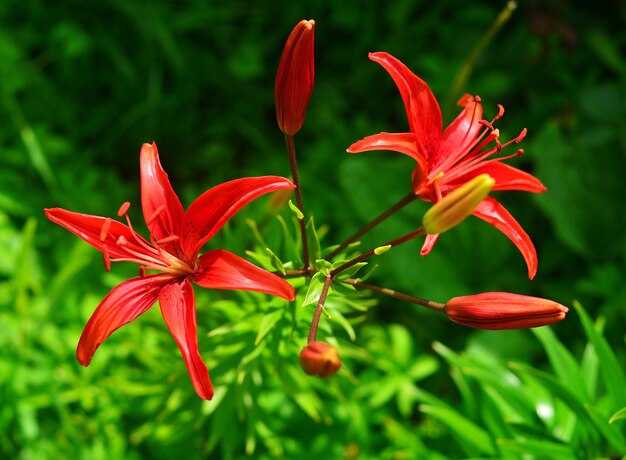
<point>503,310</point>
<point>295,77</point>
<point>319,358</point>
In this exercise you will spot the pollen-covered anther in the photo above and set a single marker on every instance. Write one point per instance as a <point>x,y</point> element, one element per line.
<point>123,209</point>
<point>104,231</point>
<point>122,241</point>
<point>157,212</point>
<point>477,98</point>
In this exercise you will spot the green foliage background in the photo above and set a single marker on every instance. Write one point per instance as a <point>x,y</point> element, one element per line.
<point>83,84</point>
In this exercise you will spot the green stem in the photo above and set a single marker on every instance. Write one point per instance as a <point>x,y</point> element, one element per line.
<point>440,307</point>
<point>366,255</point>
<point>392,210</point>
<point>468,66</point>
<point>291,149</point>
<point>318,310</point>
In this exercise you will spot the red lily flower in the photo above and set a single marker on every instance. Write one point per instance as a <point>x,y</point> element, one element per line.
<point>447,159</point>
<point>176,237</point>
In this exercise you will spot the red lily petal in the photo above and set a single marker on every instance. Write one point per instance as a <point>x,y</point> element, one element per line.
<point>90,229</point>
<point>224,270</point>
<point>211,210</point>
<point>458,137</point>
<point>398,142</point>
<point>178,307</point>
<point>123,304</point>
<point>429,243</point>
<point>421,107</point>
<point>495,214</point>
<point>161,207</point>
<point>507,178</point>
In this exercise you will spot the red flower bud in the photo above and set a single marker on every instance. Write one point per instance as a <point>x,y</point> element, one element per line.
<point>502,310</point>
<point>319,358</point>
<point>294,79</point>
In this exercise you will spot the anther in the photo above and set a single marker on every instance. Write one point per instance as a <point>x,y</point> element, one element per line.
<point>122,241</point>
<point>167,239</point>
<point>521,136</point>
<point>500,112</point>
<point>142,271</point>
<point>155,214</point>
<point>104,231</point>
<point>106,258</point>
<point>123,209</point>
<point>477,99</point>
<point>487,124</point>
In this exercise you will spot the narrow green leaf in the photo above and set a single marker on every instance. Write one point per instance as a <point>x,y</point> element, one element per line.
<point>289,244</point>
<point>314,242</point>
<point>556,388</point>
<point>296,211</point>
<point>464,428</point>
<point>611,371</point>
<point>345,324</point>
<point>619,415</point>
<point>267,323</point>
<point>276,262</point>
<point>610,432</point>
<point>562,361</point>
<point>255,231</point>
<point>350,272</point>
<point>542,449</point>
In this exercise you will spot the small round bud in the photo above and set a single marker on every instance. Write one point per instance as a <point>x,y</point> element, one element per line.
<point>319,358</point>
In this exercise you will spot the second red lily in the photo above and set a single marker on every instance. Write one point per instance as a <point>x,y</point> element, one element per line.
<point>447,159</point>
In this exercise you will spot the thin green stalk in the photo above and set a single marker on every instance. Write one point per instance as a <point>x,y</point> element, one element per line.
<point>397,295</point>
<point>377,250</point>
<point>392,210</point>
<point>318,310</point>
<point>291,149</point>
<point>468,66</point>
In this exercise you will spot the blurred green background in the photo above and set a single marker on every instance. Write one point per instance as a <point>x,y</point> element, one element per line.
<point>83,84</point>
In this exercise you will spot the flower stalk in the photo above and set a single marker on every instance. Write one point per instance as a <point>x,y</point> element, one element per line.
<point>389,212</point>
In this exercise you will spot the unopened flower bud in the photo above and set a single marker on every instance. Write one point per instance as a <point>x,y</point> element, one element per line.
<point>319,358</point>
<point>503,310</point>
<point>457,205</point>
<point>295,77</point>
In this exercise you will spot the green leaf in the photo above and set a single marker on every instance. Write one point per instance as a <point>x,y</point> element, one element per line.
<point>619,415</point>
<point>562,361</point>
<point>610,432</point>
<point>343,322</point>
<point>543,449</point>
<point>464,428</point>
<point>315,289</point>
<point>350,272</point>
<point>275,261</point>
<point>255,231</point>
<point>296,211</point>
<point>315,250</point>
<point>267,323</point>
<point>610,369</point>
<point>289,244</point>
